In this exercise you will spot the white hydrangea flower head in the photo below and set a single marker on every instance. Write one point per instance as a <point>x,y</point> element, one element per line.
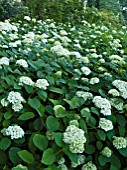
<point>25,80</point>
<point>15,132</point>
<point>103,104</point>
<point>20,167</point>
<point>85,70</point>
<point>89,166</point>
<point>74,122</point>
<point>72,133</point>
<point>15,97</point>
<point>115,57</point>
<point>22,63</point>
<point>81,159</point>
<point>27,18</point>
<point>63,167</point>
<point>107,74</point>
<point>113,92</point>
<point>106,152</point>
<point>77,54</point>
<point>76,146</point>
<point>4,102</point>
<point>94,80</point>
<point>63,32</point>
<point>61,161</point>
<point>122,87</point>
<point>59,50</point>
<point>4,60</point>
<point>17,107</point>
<point>116,104</point>
<point>42,84</point>
<point>94,55</point>
<point>74,165</point>
<point>85,60</point>
<point>85,95</point>
<point>119,142</point>
<point>101,60</point>
<point>105,124</point>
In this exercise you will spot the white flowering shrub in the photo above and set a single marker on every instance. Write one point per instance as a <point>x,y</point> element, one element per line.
<point>63,96</point>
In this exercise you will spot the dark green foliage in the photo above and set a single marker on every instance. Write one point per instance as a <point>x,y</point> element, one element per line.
<point>9,8</point>
<point>55,9</point>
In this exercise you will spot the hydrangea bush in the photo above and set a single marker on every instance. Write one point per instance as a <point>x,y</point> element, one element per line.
<point>63,96</point>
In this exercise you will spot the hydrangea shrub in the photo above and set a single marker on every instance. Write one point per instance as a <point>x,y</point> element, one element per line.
<point>63,96</point>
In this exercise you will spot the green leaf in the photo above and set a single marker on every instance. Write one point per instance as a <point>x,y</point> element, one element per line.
<point>123,152</point>
<point>3,158</point>
<point>72,156</point>
<point>34,103</point>
<point>42,94</point>
<point>26,156</point>
<point>56,90</point>
<point>85,113</point>
<point>102,160</point>
<point>121,120</point>
<point>99,145</point>
<point>26,116</point>
<point>41,110</point>
<point>90,149</point>
<point>83,125</point>
<point>48,157</point>
<point>59,139</point>
<point>7,115</point>
<point>121,131</point>
<point>5,143</point>
<point>115,161</point>
<point>40,141</point>
<point>94,110</point>
<point>13,155</point>
<point>52,123</point>
<point>29,89</point>
<point>75,102</point>
<point>101,135</point>
<point>112,167</point>
<point>52,167</point>
<point>59,111</point>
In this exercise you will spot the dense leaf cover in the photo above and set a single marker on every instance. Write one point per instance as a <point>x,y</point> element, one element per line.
<point>63,96</point>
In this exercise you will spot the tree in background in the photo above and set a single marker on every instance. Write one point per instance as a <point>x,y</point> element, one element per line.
<point>114,6</point>
<point>55,9</point>
<point>9,8</point>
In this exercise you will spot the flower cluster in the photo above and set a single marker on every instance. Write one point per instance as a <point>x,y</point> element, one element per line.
<point>105,124</point>
<point>15,99</point>
<point>94,80</point>
<point>15,132</point>
<point>5,61</point>
<point>59,50</point>
<point>106,152</point>
<point>75,137</point>
<point>25,80</point>
<point>85,95</point>
<point>85,70</point>
<point>22,63</point>
<point>81,160</point>
<point>103,104</point>
<point>117,104</point>
<point>119,142</point>
<point>20,167</point>
<point>89,166</point>
<point>114,92</point>
<point>40,83</point>
<point>122,87</point>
